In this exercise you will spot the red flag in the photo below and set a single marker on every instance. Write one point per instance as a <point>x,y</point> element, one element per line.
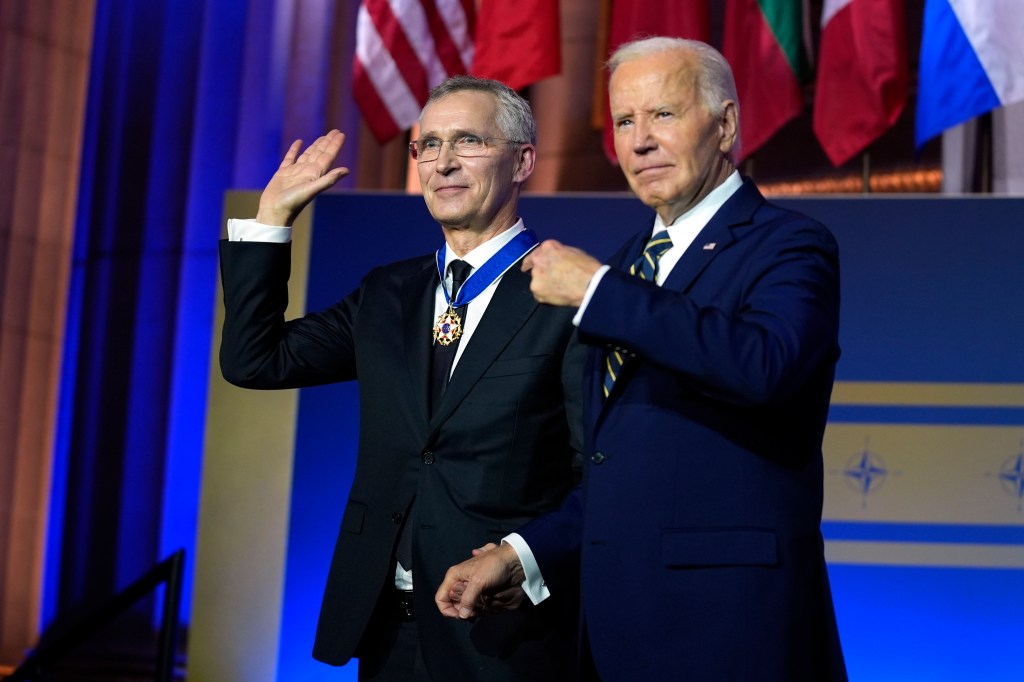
<point>630,19</point>
<point>862,74</point>
<point>764,43</point>
<point>518,43</point>
<point>403,49</point>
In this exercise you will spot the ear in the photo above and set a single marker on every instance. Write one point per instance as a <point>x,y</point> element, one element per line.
<point>728,126</point>
<point>525,160</point>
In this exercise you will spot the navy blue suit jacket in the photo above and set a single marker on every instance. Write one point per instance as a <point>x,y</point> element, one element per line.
<point>695,536</point>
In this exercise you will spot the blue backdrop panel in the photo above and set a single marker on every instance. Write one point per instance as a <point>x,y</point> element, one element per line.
<point>931,287</point>
<point>929,295</point>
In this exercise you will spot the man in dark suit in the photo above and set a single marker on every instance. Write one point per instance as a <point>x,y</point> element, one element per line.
<point>444,466</point>
<point>695,538</point>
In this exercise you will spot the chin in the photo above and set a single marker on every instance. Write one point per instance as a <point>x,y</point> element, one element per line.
<point>442,212</point>
<point>452,220</point>
<point>650,198</point>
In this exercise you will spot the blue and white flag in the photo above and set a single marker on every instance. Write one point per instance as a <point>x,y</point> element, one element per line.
<point>972,61</point>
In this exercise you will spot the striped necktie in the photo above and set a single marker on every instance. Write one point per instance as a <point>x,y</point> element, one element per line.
<point>645,267</point>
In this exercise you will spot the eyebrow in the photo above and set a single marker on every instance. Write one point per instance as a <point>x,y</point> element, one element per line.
<point>663,106</point>
<point>455,133</point>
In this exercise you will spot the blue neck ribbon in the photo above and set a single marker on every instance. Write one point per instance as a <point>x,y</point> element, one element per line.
<point>495,267</point>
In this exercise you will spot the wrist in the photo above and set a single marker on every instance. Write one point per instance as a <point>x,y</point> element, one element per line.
<point>274,218</point>
<point>512,563</point>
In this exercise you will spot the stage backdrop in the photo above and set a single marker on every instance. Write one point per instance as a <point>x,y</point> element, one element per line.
<point>924,470</point>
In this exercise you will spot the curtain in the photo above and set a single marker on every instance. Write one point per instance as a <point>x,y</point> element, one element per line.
<point>44,61</point>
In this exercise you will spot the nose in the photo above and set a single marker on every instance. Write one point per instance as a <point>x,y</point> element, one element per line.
<point>642,139</point>
<point>446,161</point>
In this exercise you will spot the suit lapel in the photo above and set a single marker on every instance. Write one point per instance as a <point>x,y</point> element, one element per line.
<point>594,400</point>
<point>710,242</point>
<point>418,307</point>
<point>716,236</point>
<point>595,366</point>
<point>507,312</point>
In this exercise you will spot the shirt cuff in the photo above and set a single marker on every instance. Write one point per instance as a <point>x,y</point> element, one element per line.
<point>594,281</point>
<point>240,230</point>
<point>533,586</point>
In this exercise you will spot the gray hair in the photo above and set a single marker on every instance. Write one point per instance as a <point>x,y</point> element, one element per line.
<point>715,82</point>
<point>515,118</point>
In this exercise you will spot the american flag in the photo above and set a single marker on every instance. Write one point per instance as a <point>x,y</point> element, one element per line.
<point>403,49</point>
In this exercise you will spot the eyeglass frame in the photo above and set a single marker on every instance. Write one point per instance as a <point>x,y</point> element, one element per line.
<point>453,144</point>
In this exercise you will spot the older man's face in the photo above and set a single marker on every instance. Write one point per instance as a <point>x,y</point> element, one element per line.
<point>671,149</point>
<point>469,192</point>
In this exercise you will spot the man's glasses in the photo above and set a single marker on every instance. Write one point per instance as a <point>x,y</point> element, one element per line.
<point>429,148</point>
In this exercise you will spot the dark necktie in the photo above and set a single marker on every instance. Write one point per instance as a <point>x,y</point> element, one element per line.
<point>444,356</point>
<point>440,368</point>
<point>645,267</point>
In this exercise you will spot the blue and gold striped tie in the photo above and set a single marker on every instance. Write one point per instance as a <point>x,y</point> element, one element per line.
<point>645,267</point>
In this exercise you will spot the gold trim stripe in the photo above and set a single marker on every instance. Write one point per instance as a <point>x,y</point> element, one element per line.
<point>928,394</point>
<point>954,555</point>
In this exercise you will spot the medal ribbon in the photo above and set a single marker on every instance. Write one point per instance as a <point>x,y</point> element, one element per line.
<point>495,267</point>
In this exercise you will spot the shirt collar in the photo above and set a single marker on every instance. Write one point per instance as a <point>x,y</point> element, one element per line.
<point>694,220</point>
<point>482,253</point>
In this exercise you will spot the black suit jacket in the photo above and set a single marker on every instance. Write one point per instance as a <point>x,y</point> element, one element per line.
<point>497,452</point>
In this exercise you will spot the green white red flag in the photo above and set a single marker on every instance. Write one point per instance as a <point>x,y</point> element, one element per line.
<point>765,44</point>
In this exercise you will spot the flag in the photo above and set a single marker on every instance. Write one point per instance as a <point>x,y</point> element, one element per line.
<point>972,61</point>
<point>631,19</point>
<point>518,43</point>
<point>764,43</point>
<point>403,49</point>
<point>862,74</point>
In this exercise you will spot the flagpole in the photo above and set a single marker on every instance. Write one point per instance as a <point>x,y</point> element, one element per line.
<point>982,180</point>
<point>865,172</point>
<point>600,93</point>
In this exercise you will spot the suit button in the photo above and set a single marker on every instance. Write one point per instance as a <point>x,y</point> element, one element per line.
<point>597,457</point>
<point>428,457</point>
<point>396,518</point>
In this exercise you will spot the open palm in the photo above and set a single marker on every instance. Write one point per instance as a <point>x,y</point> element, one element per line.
<point>299,178</point>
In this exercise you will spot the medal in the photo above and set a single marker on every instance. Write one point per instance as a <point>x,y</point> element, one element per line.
<point>448,327</point>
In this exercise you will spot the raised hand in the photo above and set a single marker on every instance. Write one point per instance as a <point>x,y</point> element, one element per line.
<point>299,178</point>
<point>559,274</point>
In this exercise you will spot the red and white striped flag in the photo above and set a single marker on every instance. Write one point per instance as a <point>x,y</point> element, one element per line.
<point>403,49</point>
